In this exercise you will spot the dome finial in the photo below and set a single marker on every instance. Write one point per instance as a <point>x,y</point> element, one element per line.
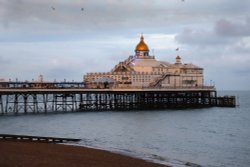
<point>142,37</point>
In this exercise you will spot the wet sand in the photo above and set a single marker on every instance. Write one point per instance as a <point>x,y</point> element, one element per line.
<point>23,154</point>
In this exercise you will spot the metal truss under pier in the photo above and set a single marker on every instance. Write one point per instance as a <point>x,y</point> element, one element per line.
<point>67,100</point>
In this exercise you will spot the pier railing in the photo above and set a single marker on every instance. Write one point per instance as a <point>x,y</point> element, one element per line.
<point>81,85</point>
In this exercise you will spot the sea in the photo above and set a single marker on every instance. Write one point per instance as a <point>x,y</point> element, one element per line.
<point>209,137</point>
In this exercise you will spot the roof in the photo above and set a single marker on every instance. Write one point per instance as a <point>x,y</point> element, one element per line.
<point>145,63</point>
<point>189,65</point>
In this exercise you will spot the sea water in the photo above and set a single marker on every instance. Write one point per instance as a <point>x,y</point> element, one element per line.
<point>209,137</point>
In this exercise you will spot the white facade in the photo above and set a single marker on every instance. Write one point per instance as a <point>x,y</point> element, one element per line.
<point>144,71</point>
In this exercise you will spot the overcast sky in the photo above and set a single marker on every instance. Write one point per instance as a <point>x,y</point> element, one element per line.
<point>60,40</point>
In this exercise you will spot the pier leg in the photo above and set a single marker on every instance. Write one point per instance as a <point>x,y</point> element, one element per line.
<point>215,97</point>
<point>45,100</point>
<point>16,104</point>
<point>77,101</point>
<point>209,99</point>
<point>35,105</point>
<point>64,101</point>
<point>54,103</point>
<point>7,103</point>
<point>25,97</point>
<point>1,104</point>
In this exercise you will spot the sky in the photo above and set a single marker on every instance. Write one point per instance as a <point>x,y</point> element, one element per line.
<point>65,39</point>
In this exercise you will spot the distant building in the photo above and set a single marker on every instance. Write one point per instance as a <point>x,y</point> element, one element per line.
<point>40,83</point>
<point>143,71</point>
<point>40,78</point>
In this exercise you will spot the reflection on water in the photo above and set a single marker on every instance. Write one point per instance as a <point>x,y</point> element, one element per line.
<point>210,137</point>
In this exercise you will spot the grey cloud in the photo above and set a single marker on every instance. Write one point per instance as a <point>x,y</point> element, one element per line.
<point>112,15</point>
<point>68,14</point>
<point>242,48</point>
<point>199,37</point>
<point>223,32</point>
<point>228,28</point>
<point>29,20</point>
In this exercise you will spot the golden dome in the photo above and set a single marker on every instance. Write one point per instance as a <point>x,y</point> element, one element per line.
<point>142,46</point>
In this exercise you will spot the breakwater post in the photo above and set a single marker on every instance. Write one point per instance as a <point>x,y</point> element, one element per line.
<point>37,138</point>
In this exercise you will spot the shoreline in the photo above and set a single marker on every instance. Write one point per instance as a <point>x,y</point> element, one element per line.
<point>35,154</point>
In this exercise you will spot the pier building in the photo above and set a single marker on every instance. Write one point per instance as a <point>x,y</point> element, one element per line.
<point>143,70</point>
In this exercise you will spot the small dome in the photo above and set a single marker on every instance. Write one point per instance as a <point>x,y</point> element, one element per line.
<point>178,57</point>
<point>178,60</point>
<point>141,46</point>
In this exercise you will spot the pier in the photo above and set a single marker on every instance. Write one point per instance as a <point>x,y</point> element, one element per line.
<point>19,99</point>
<point>140,82</point>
